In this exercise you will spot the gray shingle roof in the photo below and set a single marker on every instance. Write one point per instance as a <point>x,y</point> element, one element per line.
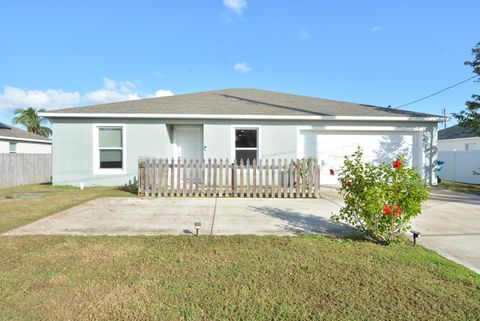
<point>243,102</point>
<point>455,132</point>
<point>13,132</point>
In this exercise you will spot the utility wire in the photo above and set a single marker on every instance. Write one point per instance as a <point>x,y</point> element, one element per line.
<point>436,93</point>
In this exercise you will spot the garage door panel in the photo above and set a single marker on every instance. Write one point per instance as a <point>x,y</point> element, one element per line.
<point>330,148</point>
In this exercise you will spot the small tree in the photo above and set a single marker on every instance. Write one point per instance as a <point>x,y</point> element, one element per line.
<point>470,117</point>
<point>380,200</point>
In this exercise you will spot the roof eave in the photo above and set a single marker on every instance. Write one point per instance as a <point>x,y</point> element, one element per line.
<point>240,117</point>
<point>459,139</point>
<point>20,139</point>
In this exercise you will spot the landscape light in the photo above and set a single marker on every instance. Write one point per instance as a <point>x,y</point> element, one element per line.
<point>197,226</point>
<point>415,235</point>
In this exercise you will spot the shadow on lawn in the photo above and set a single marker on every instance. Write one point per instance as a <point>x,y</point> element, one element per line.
<point>132,189</point>
<point>299,223</point>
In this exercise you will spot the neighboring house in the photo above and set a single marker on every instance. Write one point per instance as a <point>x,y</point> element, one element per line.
<point>15,140</point>
<point>100,145</point>
<point>459,149</point>
<point>458,138</point>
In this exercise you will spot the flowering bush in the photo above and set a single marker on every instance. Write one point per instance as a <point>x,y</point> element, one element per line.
<point>380,200</point>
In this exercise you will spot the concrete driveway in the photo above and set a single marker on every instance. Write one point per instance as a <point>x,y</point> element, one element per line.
<point>450,223</point>
<point>176,216</point>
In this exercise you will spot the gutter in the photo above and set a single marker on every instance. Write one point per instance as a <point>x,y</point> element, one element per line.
<point>26,139</point>
<point>459,139</point>
<point>237,117</point>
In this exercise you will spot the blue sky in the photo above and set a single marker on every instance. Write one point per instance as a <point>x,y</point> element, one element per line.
<point>56,54</point>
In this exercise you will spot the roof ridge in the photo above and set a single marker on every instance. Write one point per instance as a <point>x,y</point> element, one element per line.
<point>249,101</point>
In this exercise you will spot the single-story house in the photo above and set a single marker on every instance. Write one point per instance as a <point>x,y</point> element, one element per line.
<point>457,138</point>
<point>101,144</point>
<point>15,140</point>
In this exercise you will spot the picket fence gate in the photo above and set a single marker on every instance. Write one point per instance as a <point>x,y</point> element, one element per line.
<point>206,178</point>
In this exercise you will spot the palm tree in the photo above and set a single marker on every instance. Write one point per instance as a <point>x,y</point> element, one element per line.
<point>30,119</point>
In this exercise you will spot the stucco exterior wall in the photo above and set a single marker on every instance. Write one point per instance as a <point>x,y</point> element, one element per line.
<point>4,146</point>
<point>459,144</point>
<point>73,143</point>
<point>217,141</point>
<point>33,148</point>
<point>276,140</point>
<point>26,147</point>
<point>73,150</point>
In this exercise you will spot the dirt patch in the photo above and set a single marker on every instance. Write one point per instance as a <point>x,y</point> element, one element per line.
<point>21,196</point>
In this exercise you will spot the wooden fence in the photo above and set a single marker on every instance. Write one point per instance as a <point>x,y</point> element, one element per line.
<point>23,169</point>
<point>163,177</point>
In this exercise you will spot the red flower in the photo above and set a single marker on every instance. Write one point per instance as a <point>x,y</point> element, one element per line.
<point>332,172</point>
<point>387,210</point>
<point>397,211</point>
<point>397,164</point>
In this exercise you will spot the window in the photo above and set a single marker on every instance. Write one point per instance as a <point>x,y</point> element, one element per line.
<point>246,144</point>
<point>13,147</point>
<point>110,145</point>
<point>472,146</point>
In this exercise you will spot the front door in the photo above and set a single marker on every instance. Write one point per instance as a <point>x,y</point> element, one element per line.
<point>188,142</point>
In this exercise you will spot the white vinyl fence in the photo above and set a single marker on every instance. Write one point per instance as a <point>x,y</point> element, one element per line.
<point>459,166</point>
<point>23,169</point>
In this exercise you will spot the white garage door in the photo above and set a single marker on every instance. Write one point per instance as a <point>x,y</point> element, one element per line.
<point>330,147</point>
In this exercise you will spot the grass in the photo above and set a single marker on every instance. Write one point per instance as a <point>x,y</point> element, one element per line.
<point>220,277</point>
<point>461,187</point>
<point>15,212</point>
<point>229,278</point>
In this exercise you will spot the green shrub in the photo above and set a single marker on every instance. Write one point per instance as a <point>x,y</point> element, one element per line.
<point>380,200</point>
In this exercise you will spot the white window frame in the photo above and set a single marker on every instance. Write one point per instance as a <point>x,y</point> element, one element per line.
<point>246,127</point>
<point>96,150</point>
<point>468,146</point>
<point>10,147</point>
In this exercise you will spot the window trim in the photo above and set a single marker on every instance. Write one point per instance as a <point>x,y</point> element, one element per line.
<point>96,150</point>
<point>10,144</point>
<point>468,146</point>
<point>259,140</point>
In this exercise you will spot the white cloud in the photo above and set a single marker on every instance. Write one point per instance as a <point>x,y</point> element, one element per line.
<point>242,67</point>
<point>376,28</point>
<point>303,34</point>
<point>111,91</point>
<point>161,93</point>
<point>13,97</point>
<point>237,6</point>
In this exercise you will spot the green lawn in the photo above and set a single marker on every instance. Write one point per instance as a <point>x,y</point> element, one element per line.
<point>47,199</point>
<point>460,187</point>
<point>220,278</point>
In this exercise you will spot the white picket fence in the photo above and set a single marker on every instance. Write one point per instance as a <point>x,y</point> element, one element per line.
<point>22,169</point>
<point>459,166</point>
<point>207,178</point>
